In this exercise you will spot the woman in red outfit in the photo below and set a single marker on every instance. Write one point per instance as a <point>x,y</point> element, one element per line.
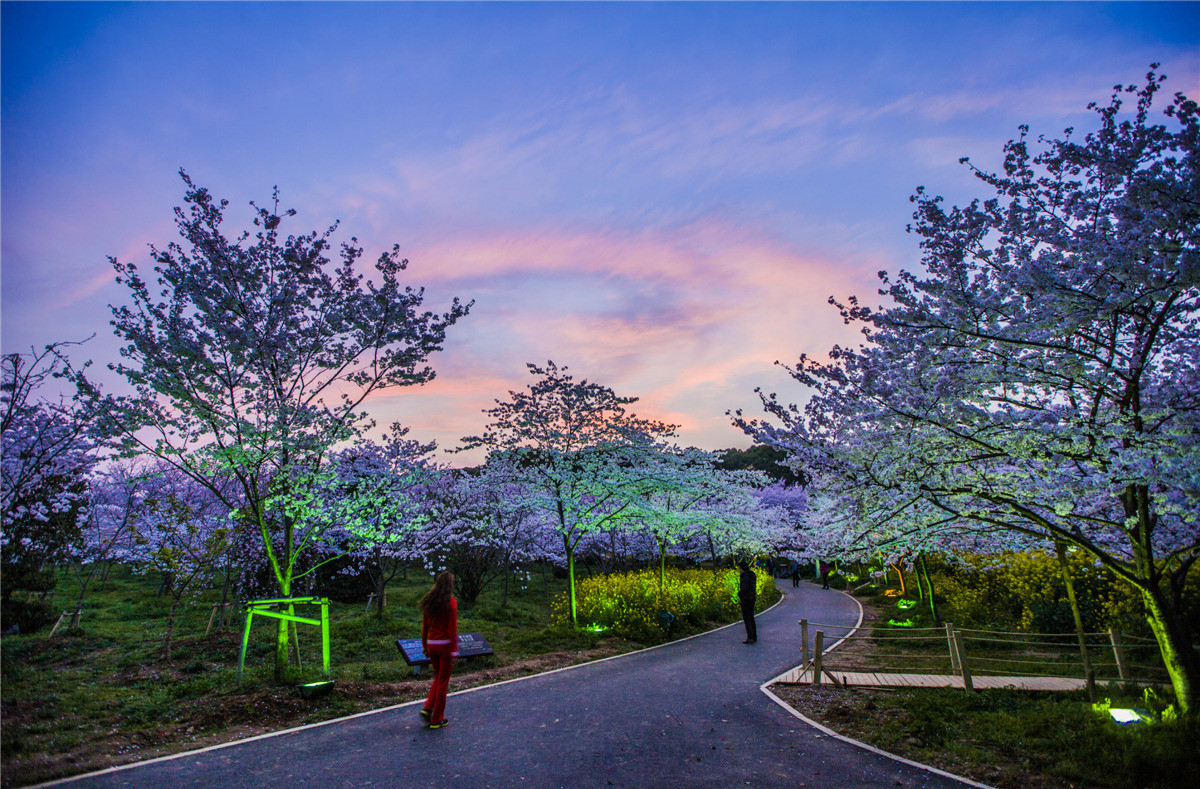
<point>439,642</point>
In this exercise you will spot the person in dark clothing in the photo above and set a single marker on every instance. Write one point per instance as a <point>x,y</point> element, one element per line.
<point>747,592</point>
<point>825,568</point>
<point>795,573</point>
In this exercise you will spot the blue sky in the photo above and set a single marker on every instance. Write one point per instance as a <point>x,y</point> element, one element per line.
<point>659,196</point>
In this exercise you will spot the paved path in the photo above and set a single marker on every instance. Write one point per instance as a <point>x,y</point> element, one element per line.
<point>689,714</point>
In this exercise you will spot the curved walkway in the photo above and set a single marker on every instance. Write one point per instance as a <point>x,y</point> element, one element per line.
<point>688,714</point>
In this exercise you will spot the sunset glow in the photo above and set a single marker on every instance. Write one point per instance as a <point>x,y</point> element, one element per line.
<point>661,197</point>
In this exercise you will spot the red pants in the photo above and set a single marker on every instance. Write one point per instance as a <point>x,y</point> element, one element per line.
<point>441,662</point>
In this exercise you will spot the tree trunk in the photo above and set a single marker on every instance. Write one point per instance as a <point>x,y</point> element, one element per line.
<point>1178,656</point>
<point>929,582</point>
<point>1174,638</point>
<point>378,581</point>
<point>170,628</point>
<point>380,597</point>
<point>571,579</point>
<point>83,585</point>
<point>504,597</point>
<point>1061,550</point>
<point>281,636</point>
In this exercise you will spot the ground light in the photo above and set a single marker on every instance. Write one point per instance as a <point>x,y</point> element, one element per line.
<point>595,628</point>
<point>1127,716</point>
<point>314,690</point>
<point>904,605</point>
<point>905,623</point>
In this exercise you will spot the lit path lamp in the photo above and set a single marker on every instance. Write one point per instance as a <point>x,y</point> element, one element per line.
<point>313,690</point>
<point>267,608</point>
<point>1127,716</point>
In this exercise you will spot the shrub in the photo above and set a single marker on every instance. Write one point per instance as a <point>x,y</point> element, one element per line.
<point>628,604</point>
<point>1025,590</point>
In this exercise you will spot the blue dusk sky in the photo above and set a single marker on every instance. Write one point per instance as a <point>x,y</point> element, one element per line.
<point>661,197</point>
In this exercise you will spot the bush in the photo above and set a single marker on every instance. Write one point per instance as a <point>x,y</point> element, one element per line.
<point>1025,590</point>
<point>26,616</point>
<point>628,604</point>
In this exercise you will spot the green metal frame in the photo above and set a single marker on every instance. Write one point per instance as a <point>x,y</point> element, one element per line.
<point>266,608</point>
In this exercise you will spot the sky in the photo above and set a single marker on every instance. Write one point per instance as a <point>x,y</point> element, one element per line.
<point>661,197</point>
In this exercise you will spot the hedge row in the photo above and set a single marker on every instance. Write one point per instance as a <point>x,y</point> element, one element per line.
<point>629,604</point>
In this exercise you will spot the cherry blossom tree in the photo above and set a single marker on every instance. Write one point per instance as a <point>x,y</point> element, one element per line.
<point>1041,377</point>
<point>116,501</point>
<point>575,451</point>
<point>183,532</point>
<point>47,449</point>
<point>485,526</point>
<point>252,358</point>
<point>687,495</point>
<point>377,502</point>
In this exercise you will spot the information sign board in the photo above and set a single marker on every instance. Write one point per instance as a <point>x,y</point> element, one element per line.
<point>469,645</point>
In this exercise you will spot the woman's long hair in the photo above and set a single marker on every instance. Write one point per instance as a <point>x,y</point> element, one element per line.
<point>436,599</point>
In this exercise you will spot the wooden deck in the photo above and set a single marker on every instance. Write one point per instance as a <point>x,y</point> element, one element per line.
<point>876,679</point>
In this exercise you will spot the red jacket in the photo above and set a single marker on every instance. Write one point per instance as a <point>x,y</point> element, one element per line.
<point>439,631</point>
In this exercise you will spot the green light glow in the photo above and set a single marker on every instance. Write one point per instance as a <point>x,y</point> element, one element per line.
<point>593,628</point>
<point>266,608</point>
<point>904,605</point>
<point>314,690</point>
<point>905,623</point>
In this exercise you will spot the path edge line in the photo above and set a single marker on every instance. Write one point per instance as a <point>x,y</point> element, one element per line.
<point>765,688</point>
<point>307,726</point>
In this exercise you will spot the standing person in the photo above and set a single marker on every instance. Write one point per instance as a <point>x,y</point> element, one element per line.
<point>439,642</point>
<point>824,574</point>
<point>795,573</point>
<point>747,592</point>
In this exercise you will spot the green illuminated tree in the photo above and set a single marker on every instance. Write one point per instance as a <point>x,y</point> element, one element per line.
<point>252,357</point>
<point>580,457</point>
<point>686,494</point>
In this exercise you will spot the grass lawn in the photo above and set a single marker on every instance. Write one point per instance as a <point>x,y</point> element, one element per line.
<point>104,694</point>
<point>1005,738</point>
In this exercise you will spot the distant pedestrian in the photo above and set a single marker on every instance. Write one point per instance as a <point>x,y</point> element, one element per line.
<point>747,592</point>
<point>795,573</point>
<point>439,642</point>
<point>825,568</point>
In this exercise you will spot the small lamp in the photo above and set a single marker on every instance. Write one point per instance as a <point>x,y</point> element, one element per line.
<point>314,690</point>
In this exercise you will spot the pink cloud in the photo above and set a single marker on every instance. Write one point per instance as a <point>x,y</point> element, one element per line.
<point>85,289</point>
<point>687,319</point>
